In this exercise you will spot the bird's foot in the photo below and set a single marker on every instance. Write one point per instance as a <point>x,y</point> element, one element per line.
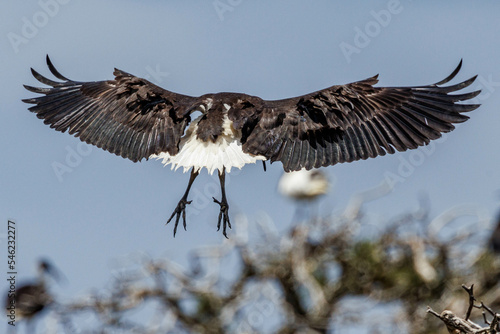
<point>179,210</point>
<point>223,216</point>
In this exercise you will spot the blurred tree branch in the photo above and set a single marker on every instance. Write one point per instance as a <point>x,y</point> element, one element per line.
<point>303,282</point>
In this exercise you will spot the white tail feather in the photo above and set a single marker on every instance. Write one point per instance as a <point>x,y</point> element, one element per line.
<point>226,152</point>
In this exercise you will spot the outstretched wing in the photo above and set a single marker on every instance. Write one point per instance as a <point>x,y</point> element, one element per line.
<point>127,116</point>
<point>351,122</point>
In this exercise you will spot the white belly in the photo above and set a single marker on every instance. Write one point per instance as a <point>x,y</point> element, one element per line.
<point>225,152</point>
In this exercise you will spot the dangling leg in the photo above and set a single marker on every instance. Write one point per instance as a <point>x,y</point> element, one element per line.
<point>181,207</point>
<point>224,207</point>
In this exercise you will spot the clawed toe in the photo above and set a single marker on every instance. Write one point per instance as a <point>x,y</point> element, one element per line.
<point>179,210</point>
<point>223,216</point>
<point>181,206</point>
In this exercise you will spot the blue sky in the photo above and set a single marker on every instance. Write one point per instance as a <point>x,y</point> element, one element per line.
<point>105,208</point>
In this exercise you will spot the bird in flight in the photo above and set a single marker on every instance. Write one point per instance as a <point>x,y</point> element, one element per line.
<point>135,119</point>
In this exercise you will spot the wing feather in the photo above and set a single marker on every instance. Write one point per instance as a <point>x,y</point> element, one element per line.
<point>127,116</point>
<point>356,121</point>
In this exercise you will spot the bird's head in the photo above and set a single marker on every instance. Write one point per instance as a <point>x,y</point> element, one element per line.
<point>45,267</point>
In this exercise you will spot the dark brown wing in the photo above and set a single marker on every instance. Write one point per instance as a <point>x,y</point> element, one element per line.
<point>127,116</point>
<point>355,121</point>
